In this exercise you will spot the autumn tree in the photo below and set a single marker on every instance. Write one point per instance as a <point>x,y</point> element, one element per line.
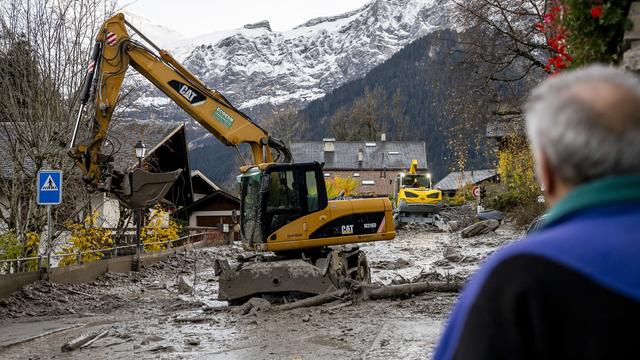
<point>44,46</point>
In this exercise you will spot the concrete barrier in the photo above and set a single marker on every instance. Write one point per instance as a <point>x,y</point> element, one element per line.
<point>11,283</point>
<point>82,273</point>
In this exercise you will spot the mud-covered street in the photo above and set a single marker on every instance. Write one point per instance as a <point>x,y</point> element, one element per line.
<point>155,313</point>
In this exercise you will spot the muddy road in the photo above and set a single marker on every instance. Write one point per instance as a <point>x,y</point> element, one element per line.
<point>155,314</point>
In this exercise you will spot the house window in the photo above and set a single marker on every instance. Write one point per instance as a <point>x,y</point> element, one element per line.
<point>327,175</point>
<point>368,182</point>
<point>356,174</point>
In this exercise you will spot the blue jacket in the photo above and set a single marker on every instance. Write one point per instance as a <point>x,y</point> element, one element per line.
<point>534,299</point>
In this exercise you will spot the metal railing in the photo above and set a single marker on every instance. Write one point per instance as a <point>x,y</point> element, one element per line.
<point>41,259</point>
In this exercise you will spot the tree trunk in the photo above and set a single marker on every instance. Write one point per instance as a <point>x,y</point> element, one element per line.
<point>371,292</point>
<point>312,301</point>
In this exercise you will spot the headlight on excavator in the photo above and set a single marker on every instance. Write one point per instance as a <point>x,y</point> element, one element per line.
<point>410,194</point>
<point>434,195</point>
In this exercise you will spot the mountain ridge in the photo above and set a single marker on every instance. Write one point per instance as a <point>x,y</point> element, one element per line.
<point>260,70</point>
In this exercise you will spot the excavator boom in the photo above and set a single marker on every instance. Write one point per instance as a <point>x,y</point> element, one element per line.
<point>114,51</point>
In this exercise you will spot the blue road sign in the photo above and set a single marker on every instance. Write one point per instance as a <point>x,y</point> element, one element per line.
<point>49,187</point>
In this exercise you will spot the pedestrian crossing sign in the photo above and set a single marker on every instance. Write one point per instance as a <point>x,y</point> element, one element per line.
<point>49,191</point>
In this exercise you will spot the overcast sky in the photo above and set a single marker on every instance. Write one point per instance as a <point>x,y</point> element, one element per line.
<point>196,17</point>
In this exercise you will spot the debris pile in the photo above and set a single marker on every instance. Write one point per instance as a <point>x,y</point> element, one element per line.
<point>111,291</point>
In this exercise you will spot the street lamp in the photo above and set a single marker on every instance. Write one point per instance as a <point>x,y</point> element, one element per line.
<point>140,152</point>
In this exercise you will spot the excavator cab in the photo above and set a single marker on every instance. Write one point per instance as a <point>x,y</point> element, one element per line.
<point>277,196</point>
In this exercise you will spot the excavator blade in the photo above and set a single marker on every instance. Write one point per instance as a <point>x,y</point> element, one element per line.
<point>142,189</point>
<point>271,277</point>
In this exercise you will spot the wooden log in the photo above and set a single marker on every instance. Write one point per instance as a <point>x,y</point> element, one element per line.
<point>96,338</point>
<point>76,343</point>
<point>312,301</point>
<point>371,292</point>
<point>374,292</point>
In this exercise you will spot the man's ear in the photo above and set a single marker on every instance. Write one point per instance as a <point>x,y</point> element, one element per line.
<point>545,174</point>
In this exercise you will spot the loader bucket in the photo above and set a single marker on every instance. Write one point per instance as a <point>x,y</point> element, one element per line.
<point>142,189</point>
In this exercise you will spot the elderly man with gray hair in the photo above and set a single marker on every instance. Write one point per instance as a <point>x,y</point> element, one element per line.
<point>572,289</point>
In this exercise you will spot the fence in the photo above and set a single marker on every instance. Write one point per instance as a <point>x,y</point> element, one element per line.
<point>10,266</point>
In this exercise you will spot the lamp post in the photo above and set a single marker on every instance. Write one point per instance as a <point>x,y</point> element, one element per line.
<point>140,152</point>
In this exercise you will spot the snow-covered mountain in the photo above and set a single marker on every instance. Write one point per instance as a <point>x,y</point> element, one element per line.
<point>259,69</point>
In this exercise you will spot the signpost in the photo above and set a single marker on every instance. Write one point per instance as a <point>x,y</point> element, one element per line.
<point>476,192</point>
<point>49,192</point>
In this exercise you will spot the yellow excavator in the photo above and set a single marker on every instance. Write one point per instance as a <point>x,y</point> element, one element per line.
<point>287,222</point>
<point>415,201</point>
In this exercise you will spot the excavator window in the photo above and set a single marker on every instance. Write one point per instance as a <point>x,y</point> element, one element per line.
<point>283,204</point>
<point>415,181</point>
<point>312,192</point>
<point>283,192</point>
<point>250,215</point>
<point>293,192</point>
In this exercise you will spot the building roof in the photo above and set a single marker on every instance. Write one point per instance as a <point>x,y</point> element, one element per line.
<point>457,179</point>
<point>124,136</point>
<point>392,155</point>
<point>201,181</point>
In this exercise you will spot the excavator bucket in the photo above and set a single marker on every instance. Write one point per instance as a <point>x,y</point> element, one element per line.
<point>142,189</point>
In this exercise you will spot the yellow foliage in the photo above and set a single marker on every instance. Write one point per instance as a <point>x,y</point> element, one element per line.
<point>516,168</point>
<point>86,237</point>
<point>32,243</point>
<point>337,185</point>
<point>12,248</point>
<point>31,249</point>
<point>159,229</point>
<point>461,197</point>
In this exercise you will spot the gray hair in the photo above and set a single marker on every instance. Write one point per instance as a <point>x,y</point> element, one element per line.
<point>582,137</point>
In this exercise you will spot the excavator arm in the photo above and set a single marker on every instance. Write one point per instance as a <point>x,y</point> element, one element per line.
<point>113,53</point>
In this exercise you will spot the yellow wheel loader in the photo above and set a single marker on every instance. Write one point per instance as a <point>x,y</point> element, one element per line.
<point>286,220</point>
<point>415,201</point>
